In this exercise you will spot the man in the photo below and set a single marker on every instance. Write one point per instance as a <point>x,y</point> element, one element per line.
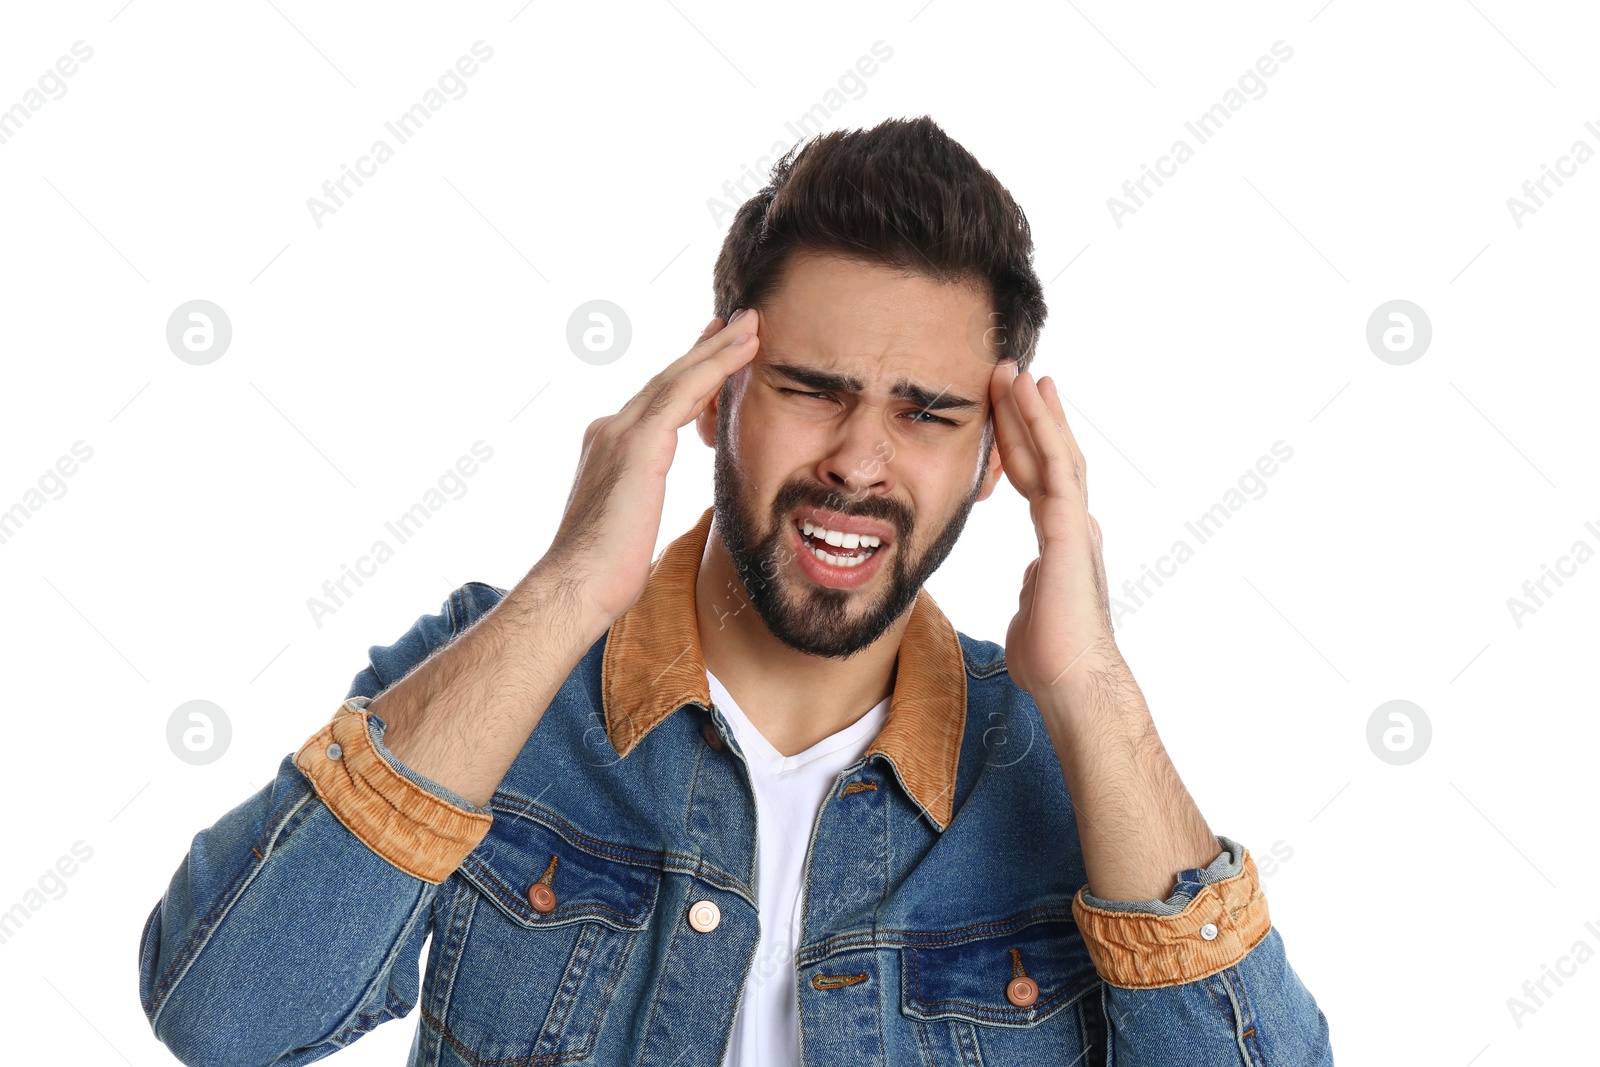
<point>758,802</point>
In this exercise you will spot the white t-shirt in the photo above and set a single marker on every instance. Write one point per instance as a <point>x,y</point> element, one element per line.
<point>789,791</point>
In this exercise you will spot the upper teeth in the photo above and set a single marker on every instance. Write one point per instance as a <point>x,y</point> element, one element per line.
<point>837,538</point>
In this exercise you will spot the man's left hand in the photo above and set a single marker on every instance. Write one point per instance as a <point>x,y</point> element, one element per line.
<point>1062,630</point>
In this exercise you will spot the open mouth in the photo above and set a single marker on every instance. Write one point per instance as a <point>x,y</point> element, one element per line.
<point>835,547</point>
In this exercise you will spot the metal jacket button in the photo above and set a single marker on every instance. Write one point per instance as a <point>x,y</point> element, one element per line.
<point>542,897</point>
<point>1022,991</point>
<point>705,916</point>
<point>709,731</point>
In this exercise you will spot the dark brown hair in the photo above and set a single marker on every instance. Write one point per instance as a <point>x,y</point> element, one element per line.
<point>903,195</point>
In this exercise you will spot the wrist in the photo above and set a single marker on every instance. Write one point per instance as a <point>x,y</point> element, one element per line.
<point>551,598</point>
<point>1097,687</point>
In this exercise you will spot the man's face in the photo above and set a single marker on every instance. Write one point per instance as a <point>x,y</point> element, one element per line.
<point>863,411</point>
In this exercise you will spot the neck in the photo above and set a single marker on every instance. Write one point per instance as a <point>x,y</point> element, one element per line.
<point>793,698</point>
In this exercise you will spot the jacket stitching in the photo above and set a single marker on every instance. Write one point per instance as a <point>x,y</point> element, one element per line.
<point>438,1026</point>
<point>1038,1008</point>
<point>655,993</point>
<point>921,1030</point>
<point>694,785</point>
<point>877,1016</point>
<point>618,962</point>
<point>967,1042</point>
<point>694,866</point>
<point>920,939</point>
<point>566,996</point>
<point>482,870</point>
<point>464,911</point>
<point>1224,1005</point>
<point>207,925</point>
<point>1249,1037</point>
<point>394,1007</point>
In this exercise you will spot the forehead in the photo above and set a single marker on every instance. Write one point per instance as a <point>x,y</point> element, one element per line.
<point>845,316</point>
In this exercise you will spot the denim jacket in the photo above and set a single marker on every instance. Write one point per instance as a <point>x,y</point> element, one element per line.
<point>602,908</point>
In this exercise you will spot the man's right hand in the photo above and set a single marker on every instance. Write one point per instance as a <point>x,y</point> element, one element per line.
<point>603,548</point>
<point>461,717</point>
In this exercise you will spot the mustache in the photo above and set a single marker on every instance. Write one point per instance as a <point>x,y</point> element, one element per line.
<point>800,498</point>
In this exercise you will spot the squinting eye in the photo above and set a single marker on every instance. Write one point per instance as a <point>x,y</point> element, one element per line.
<point>927,417</point>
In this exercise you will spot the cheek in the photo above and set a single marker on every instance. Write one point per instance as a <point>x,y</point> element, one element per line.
<point>774,446</point>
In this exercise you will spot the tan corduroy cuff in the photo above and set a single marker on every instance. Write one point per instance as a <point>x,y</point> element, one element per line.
<point>424,835</point>
<point>1214,931</point>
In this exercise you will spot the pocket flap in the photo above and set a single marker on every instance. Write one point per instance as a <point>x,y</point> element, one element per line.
<point>519,852</point>
<point>958,976</point>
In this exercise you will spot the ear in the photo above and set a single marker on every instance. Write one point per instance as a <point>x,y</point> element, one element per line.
<point>705,424</point>
<point>991,479</point>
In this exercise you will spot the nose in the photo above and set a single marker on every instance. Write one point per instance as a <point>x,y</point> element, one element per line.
<point>858,464</point>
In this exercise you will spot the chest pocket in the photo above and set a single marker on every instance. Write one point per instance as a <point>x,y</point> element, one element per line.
<point>1014,997</point>
<point>531,943</point>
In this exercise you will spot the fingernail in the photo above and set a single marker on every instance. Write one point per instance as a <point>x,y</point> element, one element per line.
<point>707,327</point>
<point>737,315</point>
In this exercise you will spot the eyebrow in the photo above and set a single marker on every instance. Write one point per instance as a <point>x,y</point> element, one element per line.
<point>904,388</point>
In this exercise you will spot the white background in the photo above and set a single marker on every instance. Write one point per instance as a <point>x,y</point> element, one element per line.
<point>430,312</point>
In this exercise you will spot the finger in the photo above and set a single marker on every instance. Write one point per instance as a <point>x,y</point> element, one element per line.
<point>1059,474</point>
<point>1010,431</point>
<point>688,382</point>
<point>1047,389</point>
<point>718,337</point>
<point>1052,402</point>
<point>680,400</point>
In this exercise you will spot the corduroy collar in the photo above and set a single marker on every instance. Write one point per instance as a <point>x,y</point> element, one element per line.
<point>653,666</point>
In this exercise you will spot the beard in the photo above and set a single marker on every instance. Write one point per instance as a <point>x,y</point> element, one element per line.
<point>809,618</point>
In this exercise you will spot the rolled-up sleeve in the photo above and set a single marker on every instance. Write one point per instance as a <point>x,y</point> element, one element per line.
<point>415,824</point>
<point>1201,977</point>
<point>294,923</point>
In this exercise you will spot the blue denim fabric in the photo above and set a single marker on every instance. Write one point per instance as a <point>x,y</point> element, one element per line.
<point>375,728</point>
<point>282,938</point>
